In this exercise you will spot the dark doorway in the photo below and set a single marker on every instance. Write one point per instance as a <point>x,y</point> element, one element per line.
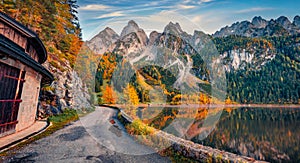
<point>11,85</point>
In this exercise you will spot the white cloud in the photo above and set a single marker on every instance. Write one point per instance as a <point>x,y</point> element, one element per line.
<point>94,7</point>
<point>113,14</point>
<point>186,6</point>
<point>254,9</point>
<point>186,1</point>
<point>204,1</point>
<point>151,4</point>
<point>197,19</point>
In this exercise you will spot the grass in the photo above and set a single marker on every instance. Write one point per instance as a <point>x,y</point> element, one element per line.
<point>175,157</point>
<point>58,122</point>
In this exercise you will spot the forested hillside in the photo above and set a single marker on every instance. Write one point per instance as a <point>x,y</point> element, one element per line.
<point>277,81</point>
<point>261,68</point>
<point>57,25</point>
<point>54,21</point>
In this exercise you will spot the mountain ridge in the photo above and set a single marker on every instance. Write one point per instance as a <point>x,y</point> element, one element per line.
<point>260,27</point>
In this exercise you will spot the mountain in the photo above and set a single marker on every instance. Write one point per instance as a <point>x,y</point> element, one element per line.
<point>259,22</point>
<point>172,52</point>
<point>254,58</point>
<point>262,60</point>
<point>297,21</point>
<point>260,27</point>
<point>132,40</point>
<point>102,42</point>
<point>132,27</point>
<point>153,36</point>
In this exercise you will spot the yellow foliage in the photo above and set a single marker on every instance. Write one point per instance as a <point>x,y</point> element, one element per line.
<point>131,95</point>
<point>204,99</point>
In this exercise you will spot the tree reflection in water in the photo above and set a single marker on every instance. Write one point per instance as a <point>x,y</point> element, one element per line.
<point>270,134</point>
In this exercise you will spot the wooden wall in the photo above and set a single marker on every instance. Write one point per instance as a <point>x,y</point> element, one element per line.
<point>19,38</point>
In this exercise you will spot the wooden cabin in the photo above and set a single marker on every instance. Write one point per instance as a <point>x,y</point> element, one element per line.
<point>21,75</point>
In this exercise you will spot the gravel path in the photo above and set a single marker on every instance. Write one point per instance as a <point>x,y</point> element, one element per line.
<point>92,139</point>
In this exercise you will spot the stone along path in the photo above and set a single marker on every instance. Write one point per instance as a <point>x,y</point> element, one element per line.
<point>92,139</point>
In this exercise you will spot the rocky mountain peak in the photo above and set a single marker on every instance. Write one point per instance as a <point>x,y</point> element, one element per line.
<point>104,39</point>
<point>153,36</point>
<point>109,31</point>
<point>297,21</point>
<point>105,32</point>
<point>283,21</point>
<point>132,22</point>
<point>259,22</point>
<point>173,28</point>
<point>131,27</point>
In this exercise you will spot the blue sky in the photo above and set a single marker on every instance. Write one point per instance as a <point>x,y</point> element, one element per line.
<point>206,15</point>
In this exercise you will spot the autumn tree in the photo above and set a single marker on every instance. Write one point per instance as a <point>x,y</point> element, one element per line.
<point>228,101</point>
<point>204,99</point>
<point>109,96</point>
<point>130,95</point>
<point>55,22</point>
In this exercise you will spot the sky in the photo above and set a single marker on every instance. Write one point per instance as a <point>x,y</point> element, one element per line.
<point>202,15</point>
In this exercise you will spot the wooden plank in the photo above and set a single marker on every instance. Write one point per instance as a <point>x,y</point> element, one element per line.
<point>1,28</point>
<point>23,42</point>
<point>11,34</point>
<point>6,31</point>
<point>16,37</point>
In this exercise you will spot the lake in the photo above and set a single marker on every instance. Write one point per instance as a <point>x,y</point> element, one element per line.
<point>271,134</point>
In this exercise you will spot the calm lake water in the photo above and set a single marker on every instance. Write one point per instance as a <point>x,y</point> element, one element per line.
<point>271,134</point>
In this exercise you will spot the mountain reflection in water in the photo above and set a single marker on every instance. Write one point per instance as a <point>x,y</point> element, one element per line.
<point>270,134</point>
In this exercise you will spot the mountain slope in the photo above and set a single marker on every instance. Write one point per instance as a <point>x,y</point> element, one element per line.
<point>263,67</point>
<point>169,61</point>
<point>257,58</point>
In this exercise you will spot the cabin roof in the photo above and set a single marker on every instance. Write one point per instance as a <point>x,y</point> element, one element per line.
<point>9,47</point>
<point>32,36</point>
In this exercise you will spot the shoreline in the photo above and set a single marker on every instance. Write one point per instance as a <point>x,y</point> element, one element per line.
<point>192,150</point>
<point>214,105</point>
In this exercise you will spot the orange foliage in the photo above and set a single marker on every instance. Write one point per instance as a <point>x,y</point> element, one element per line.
<point>204,99</point>
<point>108,65</point>
<point>109,96</point>
<point>228,101</point>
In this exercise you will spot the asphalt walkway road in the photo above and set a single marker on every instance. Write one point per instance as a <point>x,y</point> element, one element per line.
<point>91,139</point>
